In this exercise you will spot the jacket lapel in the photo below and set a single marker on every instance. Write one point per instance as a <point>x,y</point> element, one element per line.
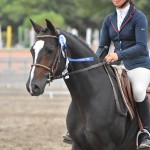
<point>113,19</point>
<point>128,17</point>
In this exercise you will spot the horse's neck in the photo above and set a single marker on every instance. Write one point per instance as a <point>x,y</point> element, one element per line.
<point>85,80</point>
<point>85,83</point>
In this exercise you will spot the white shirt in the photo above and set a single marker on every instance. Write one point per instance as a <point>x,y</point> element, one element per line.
<point>121,14</point>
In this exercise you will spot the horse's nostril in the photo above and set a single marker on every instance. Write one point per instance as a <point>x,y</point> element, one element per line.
<point>36,89</point>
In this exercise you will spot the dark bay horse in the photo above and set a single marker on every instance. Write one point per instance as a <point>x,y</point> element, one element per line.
<point>93,120</point>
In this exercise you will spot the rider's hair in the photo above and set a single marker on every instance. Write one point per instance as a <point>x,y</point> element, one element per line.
<point>131,2</point>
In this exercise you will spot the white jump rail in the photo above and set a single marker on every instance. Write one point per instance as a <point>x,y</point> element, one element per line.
<point>52,93</point>
<point>49,93</point>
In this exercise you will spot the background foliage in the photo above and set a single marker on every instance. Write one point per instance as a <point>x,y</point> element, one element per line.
<point>75,13</point>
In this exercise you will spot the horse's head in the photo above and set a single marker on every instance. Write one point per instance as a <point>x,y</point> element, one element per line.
<point>48,59</point>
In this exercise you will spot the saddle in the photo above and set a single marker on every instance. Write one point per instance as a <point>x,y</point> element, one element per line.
<point>126,89</point>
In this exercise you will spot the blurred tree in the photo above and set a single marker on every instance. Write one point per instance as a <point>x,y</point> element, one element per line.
<point>95,11</point>
<point>55,18</point>
<point>76,13</point>
<point>144,6</point>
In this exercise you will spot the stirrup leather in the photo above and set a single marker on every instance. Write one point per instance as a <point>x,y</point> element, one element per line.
<point>139,133</point>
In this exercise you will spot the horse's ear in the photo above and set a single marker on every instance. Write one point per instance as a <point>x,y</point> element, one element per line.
<point>37,28</point>
<point>50,26</point>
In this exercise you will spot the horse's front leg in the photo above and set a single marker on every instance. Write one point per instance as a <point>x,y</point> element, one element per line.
<point>74,125</point>
<point>76,130</point>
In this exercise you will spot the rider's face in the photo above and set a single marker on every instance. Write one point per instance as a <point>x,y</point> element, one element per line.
<point>118,3</point>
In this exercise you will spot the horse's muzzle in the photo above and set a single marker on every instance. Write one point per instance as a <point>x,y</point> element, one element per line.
<point>34,89</point>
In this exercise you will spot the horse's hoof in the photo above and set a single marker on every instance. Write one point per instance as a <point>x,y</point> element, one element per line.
<point>67,139</point>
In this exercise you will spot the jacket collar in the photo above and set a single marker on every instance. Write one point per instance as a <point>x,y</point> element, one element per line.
<point>113,19</point>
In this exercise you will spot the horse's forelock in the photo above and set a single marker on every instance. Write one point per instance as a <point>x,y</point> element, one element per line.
<point>44,30</point>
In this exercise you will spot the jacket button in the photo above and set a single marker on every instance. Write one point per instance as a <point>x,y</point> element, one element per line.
<point>120,49</point>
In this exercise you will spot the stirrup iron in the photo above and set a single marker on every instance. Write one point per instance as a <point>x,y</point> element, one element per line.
<point>139,133</point>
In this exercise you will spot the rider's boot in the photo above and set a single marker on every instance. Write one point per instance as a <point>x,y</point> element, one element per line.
<point>66,138</point>
<point>144,114</point>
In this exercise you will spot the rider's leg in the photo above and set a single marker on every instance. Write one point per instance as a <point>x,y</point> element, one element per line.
<point>144,113</point>
<point>140,79</point>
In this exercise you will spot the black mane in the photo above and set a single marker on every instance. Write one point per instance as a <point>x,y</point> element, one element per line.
<point>82,41</point>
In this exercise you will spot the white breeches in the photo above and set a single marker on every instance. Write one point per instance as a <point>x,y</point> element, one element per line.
<point>140,79</point>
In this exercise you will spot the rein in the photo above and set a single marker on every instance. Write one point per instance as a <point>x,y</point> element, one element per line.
<point>51,78</point>
<point>80,70</point>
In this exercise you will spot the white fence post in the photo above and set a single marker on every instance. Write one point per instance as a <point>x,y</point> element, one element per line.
<point>95,41</point>
<point>1,42</point>
<point>88,36</point>
<point>32,37</point>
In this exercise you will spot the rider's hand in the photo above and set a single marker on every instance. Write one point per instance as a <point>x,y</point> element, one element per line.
<point>111,57</point>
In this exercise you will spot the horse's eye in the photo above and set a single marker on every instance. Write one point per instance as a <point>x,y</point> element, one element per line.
<point>49,50</point>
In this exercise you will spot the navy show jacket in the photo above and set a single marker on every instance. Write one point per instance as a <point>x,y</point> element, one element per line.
<point>130,42</point>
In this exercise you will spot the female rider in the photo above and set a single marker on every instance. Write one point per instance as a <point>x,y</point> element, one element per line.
<point>127,29</point>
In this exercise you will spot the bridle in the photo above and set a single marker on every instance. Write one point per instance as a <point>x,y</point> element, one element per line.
<point>56,61</point>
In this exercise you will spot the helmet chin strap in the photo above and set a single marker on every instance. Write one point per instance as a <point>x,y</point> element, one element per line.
<point>124,4</point>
